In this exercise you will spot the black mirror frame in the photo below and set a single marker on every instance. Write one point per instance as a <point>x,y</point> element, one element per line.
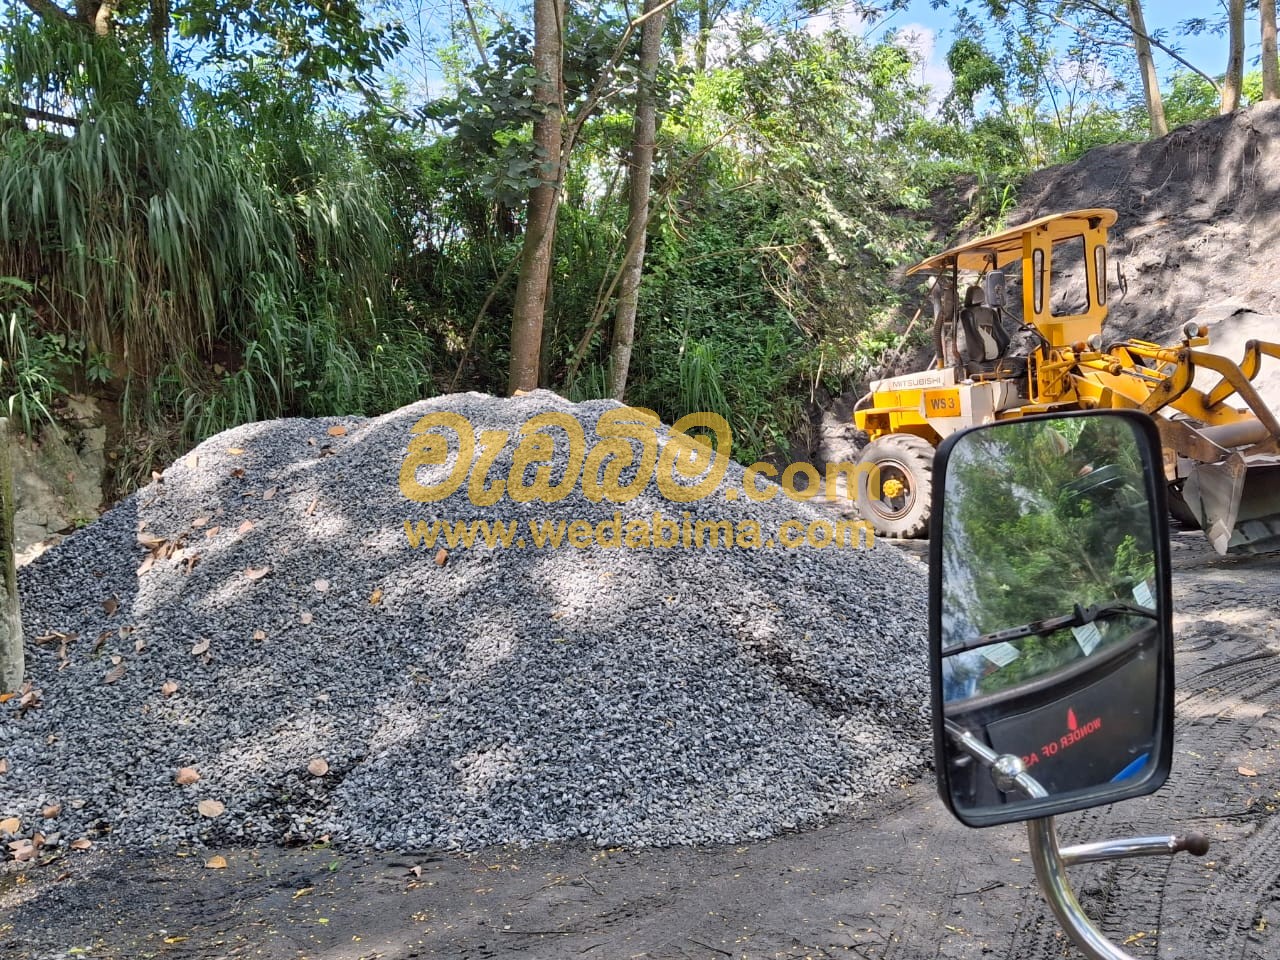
<point>1148,438</point>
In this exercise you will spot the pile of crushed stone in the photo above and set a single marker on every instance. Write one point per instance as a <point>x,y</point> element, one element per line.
<point>248,650</point>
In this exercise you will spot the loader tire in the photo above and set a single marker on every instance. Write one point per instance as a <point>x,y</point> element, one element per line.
<point>906,485</point>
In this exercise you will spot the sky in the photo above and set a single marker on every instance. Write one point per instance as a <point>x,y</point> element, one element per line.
<point>930,35</point>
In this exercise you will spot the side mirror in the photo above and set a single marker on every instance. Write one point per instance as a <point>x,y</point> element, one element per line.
<point>1050,637</point>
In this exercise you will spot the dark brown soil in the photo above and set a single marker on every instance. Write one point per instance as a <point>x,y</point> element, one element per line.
<point>901,881</point>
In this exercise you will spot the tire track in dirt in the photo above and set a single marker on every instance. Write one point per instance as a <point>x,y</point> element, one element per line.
<point>1180,907</point>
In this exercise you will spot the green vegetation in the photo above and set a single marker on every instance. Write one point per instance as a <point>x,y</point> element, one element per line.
<point>1032,507</point>
<point>211,214</point>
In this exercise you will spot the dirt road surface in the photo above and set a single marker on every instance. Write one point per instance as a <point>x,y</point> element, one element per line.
<point>901,880</point>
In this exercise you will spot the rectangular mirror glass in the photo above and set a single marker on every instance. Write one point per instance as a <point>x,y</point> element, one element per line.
<point>1049,609</point>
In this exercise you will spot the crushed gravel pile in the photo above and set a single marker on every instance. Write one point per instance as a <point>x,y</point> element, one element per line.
<point>257,618</point>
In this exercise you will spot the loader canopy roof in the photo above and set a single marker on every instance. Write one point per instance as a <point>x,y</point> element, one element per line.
<point>1007,245</point>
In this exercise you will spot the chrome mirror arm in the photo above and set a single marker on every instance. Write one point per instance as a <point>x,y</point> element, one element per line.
<point>1051,861</point>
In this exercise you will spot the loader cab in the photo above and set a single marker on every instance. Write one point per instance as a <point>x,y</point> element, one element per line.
<point>1048,276</point>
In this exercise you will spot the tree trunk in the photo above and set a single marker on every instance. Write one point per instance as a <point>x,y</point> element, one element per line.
<point>1234,78</point>
<point>703,38</point>
<point>12,665</point>
<point>1270,66</point>
<point>1147,67</point>
<point>639,177</point>
<point>540,221</point>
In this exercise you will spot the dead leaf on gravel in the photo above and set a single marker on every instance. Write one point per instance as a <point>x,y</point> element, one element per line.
<point>303,892</point>
<point>147,564</point>
<point>4,765</point>
<point>186,776</point>
<point>259,634</point>
<point>211,533</point>
<point>22,850</point>
<point>235,451</point>
<point>269,494</point>
<point>150,541</point>
<point>337,431</point>
<point>375,598</point>
<point>201,647</point>
<point>442,555</point>
<point>111,605</point>
<point>257,573</point>
<point>200,522</point>
<point>169,688</point>
<point>416,870</point>
<point>245,527</point>
<point>211,808</point>
<point>311,507</point>
<point>237,473</point>
<point>114,674</point>
<point>50,810</point>
<point>139,645</point>
<point>116,660</point>
<point>216,862</point>
<point>322,586</point>
<point>306,617</point>
<point>10,825</point>
<point>84,843</point>
<point>1246,771</point>
<point>318,767</point>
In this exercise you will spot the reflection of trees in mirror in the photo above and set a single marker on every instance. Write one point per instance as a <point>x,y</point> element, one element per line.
<point>1041,516</point>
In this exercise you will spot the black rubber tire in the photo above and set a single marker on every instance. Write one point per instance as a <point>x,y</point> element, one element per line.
<point>908,459</point>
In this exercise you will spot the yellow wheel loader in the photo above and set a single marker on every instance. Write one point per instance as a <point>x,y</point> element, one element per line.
<point>1011,343</point>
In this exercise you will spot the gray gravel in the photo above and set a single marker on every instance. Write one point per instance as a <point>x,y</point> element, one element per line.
<point>624,696</point>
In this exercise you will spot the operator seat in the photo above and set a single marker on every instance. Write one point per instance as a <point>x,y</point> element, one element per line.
<point>982,342</point>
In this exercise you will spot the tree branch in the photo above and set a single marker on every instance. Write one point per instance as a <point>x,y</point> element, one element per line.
<point>1112,15</point>
<point>49,10</point>
<point>31,113</point>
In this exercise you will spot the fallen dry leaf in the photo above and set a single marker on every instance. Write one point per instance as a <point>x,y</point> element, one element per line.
<point>375,598</point>
<point>116,660</point>
<point>269,494</point>
<point>306,617</point>
<point>22,850</point>
<point>322,586</point>
<point>111,605</point>
<point>311,507</point>
<point>245,527</point>
<point>216,862</point>
<point>259,634</point>
<point>114,674</point>
<point>211,808</point>
<point>150,541</point>
<point>84,843</point>
<point>169,688</point>
<point>235,451</point>
<point>4,765</point>
<point>337,431</point>
<point>50,810</point>
<point>147,564</point>
<point>318,767</point>
<point>303,892</point>
<point>257,573</point>
<point>186,776</point>
<point>211,533</point>
<point>200,522</point>
<point>10,825</point>
<point>6,697</point>
<point>237,473</point>
<point>441,556</point>
<point>139,645</point>
<point>1246,771</point>
<point>201,647</point>
<point>416,870</point>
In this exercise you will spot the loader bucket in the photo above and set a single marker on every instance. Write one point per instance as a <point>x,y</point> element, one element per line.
<point>1237,502</point>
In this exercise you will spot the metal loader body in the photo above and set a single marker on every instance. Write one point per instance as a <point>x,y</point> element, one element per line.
<point>1221,444</point>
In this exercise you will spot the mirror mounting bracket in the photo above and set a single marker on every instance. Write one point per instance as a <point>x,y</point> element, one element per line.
<point>1051,861</point>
